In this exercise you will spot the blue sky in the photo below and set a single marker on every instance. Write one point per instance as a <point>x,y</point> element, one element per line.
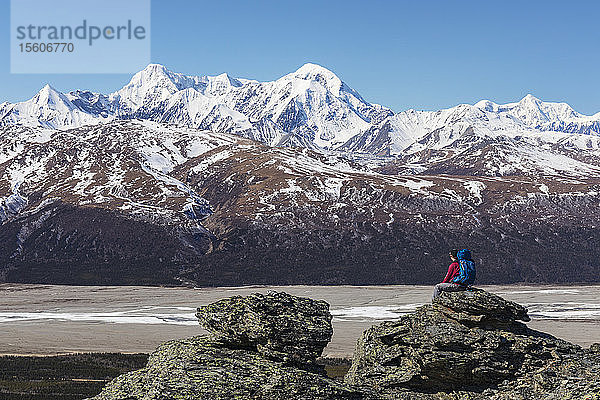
<point>427,54</point>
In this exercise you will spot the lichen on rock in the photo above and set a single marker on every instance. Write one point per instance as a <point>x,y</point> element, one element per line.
<point>465,345</point>
<point>204,369</point>
<point>280,326</point>
<point>260,347</point>
<point>480,306</point>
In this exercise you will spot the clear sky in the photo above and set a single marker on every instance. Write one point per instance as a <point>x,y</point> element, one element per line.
<point>426,54</point>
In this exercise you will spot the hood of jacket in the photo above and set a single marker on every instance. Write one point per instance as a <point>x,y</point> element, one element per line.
<point>464,254</point>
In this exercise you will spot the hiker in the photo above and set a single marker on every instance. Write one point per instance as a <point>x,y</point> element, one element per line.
<point>461,273</point>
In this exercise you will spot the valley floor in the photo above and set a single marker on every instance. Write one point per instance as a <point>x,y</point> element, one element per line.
<point>49,319</point>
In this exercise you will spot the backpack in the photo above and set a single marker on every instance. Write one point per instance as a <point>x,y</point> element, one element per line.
<point>466,274</point>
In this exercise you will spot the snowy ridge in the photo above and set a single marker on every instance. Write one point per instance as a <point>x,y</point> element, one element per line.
<point>310,107</point>
<point>412,131</point>
<point>144,168</point>
<point>529,137</point>
<point>313,108</point>
<point>48,108</point>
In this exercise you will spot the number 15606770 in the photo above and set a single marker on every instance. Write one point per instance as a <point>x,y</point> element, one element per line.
<point>47,47</point>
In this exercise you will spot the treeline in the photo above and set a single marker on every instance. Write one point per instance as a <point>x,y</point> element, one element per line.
<point>67,377</point>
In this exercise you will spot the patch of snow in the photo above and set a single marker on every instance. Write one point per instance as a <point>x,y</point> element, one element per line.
<point>416,185</point>
<point>11,205</point>
<point>212,159</point>
<point>476,188</point>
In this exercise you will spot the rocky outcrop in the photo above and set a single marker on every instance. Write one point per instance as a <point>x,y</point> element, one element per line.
<point>260,347</point>
<point>478,306</point>
<point>202,368</point>
<point>467,345</point>
<point>278,325</point>
<point>574,377</point>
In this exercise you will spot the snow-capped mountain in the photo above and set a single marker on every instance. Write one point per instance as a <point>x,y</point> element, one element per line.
<point>310,107</point>
<point>411,131</point>
<point>313,108</point>
<point>159,183</point>
<point>49,108</point>
<point>528,137</point>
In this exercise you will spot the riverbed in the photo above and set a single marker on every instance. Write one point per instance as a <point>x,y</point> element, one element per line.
<point>53,319</point>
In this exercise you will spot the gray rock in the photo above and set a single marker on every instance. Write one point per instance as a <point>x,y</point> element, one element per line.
<point>472,346</point>
<point>278,325</point>
<point>478,306</point>
<point>465,346</point>
<point>260,347</point>
<point>575,377</point>
<point>200,368</point>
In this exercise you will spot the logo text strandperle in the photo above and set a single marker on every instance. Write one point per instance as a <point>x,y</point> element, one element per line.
<point>82,32</point>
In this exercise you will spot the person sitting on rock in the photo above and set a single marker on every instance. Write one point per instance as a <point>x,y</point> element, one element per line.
<point>461,273</point>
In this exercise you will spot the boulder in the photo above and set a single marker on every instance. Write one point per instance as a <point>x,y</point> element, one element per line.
<point>201,368</point>
<point>260,347</point>
<point>277,325</point>
<point>480,306</point>
<point>465,341</point>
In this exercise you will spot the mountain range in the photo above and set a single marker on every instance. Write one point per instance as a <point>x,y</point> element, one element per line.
<point>178,179</point>
<point>311,106</point>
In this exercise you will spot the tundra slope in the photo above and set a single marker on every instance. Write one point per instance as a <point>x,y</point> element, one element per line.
<point>92,195</point>
<point>138,202</point>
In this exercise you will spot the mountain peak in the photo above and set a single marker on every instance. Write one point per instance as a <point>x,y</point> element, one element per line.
<point>310,71</point>
<point>529,98</point>
<point>156,81</point>
<point>152,71</point>
<point>228,79</point>
<point>49,95</point>
<point>47,89</point>
<point>155,68</point>
<point>312,67</point>
<point>486,105</point>
<point>320,74</point>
